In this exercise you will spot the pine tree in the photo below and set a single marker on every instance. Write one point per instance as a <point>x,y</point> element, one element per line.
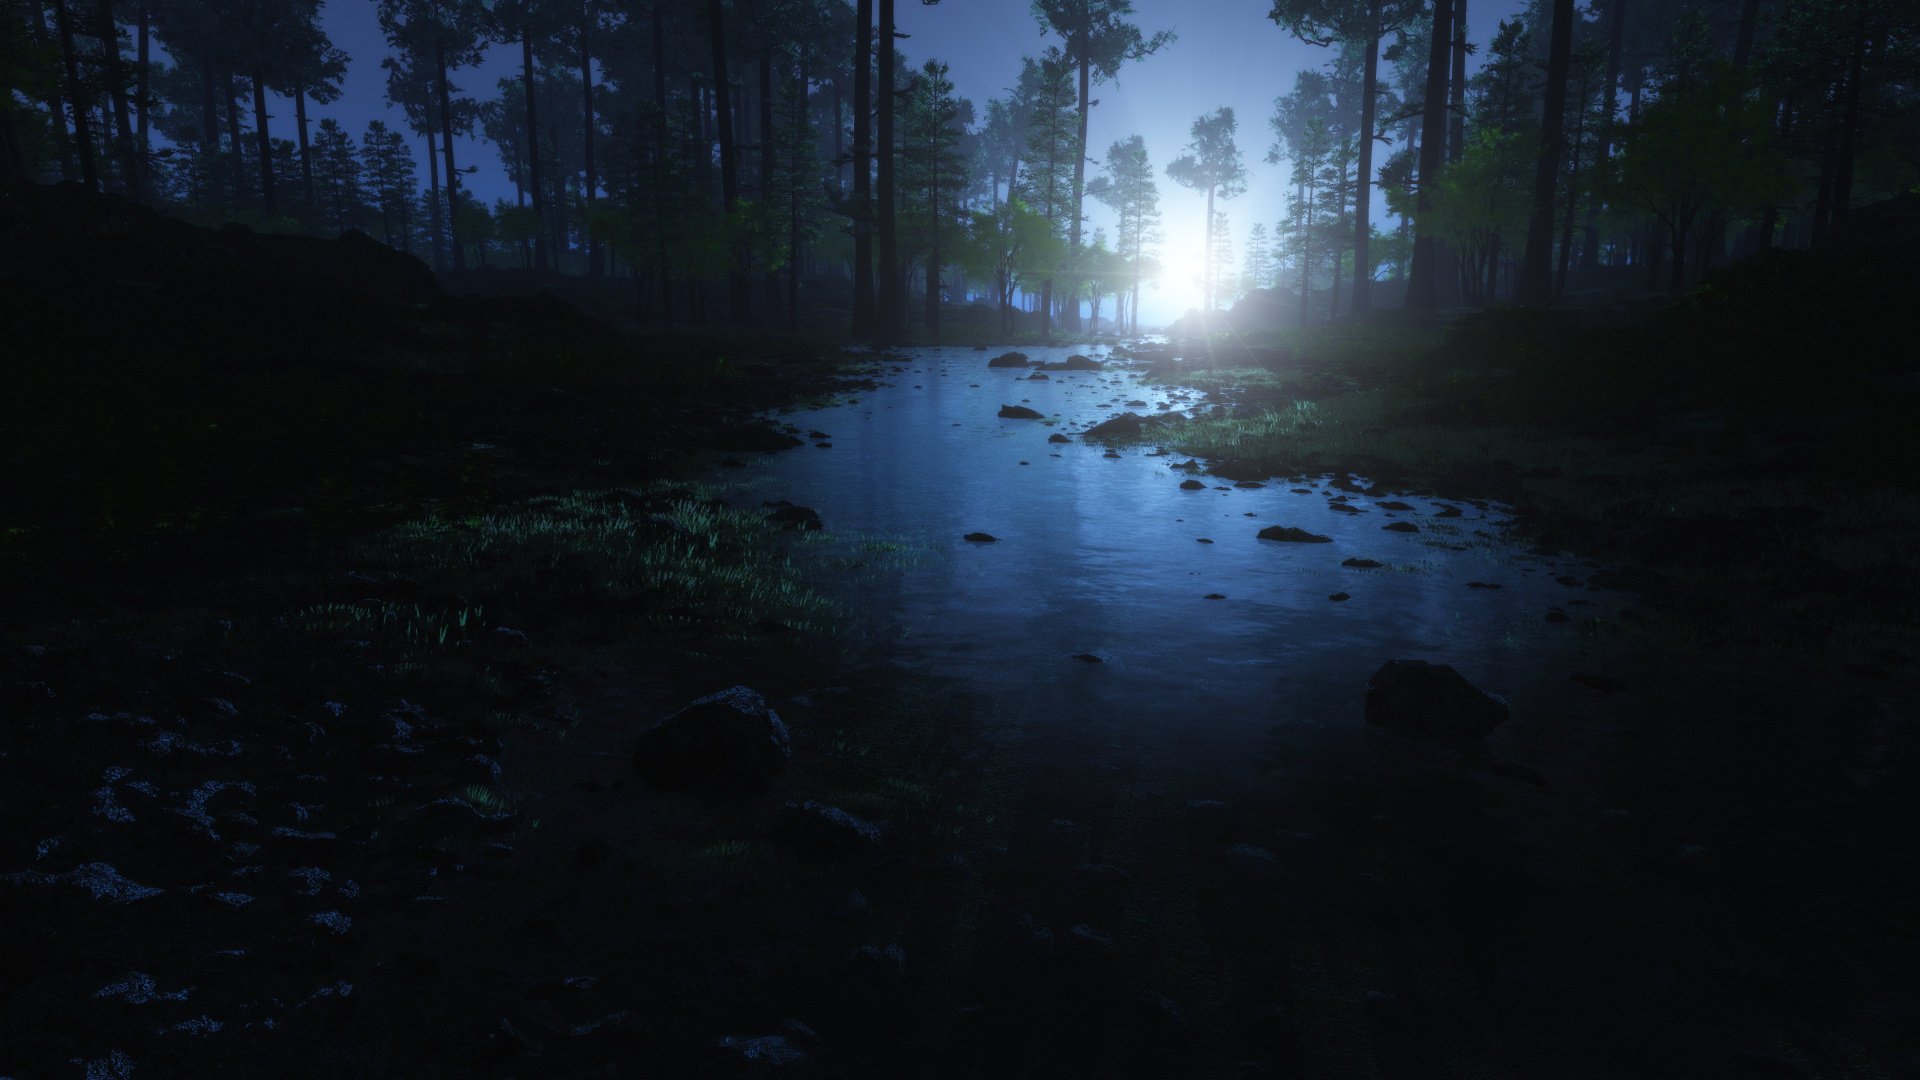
<point>389,172</point>
<point>1258,270</point>
<point>1211,164</point>
<point>1128,188</point>
<point>337,175</point>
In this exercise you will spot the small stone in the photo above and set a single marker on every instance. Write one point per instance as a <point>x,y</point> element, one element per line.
<point>1338,597</point>
<point>981,538</point>
<point>1088,658</point>
<point>1401,527</point>
<point>1214,596</point>
<point>1292,535</point>
<point>1191,485</point>
<point>1360,564</point>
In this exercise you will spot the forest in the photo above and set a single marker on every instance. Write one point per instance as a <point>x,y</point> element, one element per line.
<point>997,538</point>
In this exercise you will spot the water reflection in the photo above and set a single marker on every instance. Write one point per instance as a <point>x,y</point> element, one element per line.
<point>1102,556</point>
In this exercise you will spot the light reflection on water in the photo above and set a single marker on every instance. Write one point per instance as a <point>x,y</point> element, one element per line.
<point>1101,556</point>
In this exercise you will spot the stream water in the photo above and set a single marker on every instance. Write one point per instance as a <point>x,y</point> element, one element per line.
<point>1111,558</point>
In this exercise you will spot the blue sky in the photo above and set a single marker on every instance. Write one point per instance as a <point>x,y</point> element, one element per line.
<point>1227,53</point>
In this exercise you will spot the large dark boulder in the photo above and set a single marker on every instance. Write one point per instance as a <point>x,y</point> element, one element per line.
<point>1012,359</point>
<point>1431,701</point>
<point>1076,362</point>
<point>728,740</point>
<point>1124,426</point>
<point>1019,412</point>
<point>1292,535</point>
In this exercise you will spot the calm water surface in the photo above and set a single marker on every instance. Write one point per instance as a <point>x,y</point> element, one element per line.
<point>1103,557</point>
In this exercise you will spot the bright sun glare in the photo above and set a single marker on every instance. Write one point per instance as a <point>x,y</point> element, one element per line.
<point>1184,262</point>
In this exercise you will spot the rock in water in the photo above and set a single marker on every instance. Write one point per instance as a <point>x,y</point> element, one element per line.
<point>731,739</point>
<point>1019,412</point>
<point>1011,359</point>
<point>1430,701</point>
<point>1293,535</point>
<point>1123,426</point>
<point>981,538</point>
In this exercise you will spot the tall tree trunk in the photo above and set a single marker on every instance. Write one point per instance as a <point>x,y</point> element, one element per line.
<point>1363,193</point>
<point>306,151</point>
<point>1423,277</point>
<point>892,308</point>
<point>1536,265</point>
<point>76,94</point>
<point>209,125</point>
<point>862,171</point>
<point>803,128</point>
<point>446,144</point>
<point>1306,257</point>
<point>262,142</point>
<point>117,93</point>
<point>933,254</point>
<point>596,265</point>
<point>1823,192</point>
<point>1072,320</point>
<point>739,288</point>
<point>1616,38</point>
<point>237,159</point>
<point>434,207</point>
<point>1206,272</point>
<point>1573,188</point>
<point>770,280</point>
<point>143,47</point>
<point>839,142</point>
<point>13,162</point>
<point>1849,129</point>
<point>56,107</point>
<point>1772,220</point>
<point>1457,87</point>
<point>1743,41</point>
<point>1677,279</point>
<point>659,165</point>
<point>533,147</point>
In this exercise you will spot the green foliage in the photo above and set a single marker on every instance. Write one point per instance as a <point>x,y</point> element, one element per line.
<point>1481,203</point>
<point>658,555</point>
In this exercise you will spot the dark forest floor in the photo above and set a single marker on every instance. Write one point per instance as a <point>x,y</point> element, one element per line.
<point>334,605</point>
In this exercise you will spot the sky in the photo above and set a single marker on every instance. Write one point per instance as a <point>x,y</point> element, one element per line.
<point>1226,52</point>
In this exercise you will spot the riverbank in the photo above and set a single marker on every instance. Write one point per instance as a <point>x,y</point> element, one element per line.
<point>340,616</point>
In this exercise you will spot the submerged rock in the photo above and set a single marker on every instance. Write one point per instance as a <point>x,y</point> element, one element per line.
<point>1058,438</point>
<point>730,739</point>
<point>1292,535</point>
<point>1019,412</point>
<point>1401,527</point>
<point>981,538</point>
<point>1430,701</point>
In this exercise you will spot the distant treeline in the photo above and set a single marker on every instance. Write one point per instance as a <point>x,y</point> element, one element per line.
<point>746,162</point>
